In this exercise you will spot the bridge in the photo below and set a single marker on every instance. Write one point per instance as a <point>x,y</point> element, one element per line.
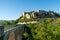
<point>12,32</point>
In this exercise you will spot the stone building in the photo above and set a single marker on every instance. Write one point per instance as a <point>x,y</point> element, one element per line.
<point>37,14</point>
<point>26,15</point>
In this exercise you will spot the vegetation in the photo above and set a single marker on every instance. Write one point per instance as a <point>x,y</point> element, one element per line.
<point>7,22</point>
<point>1,38</point>
<point>48,29</point>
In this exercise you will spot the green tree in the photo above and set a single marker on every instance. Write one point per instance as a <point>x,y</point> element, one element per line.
<point>12,22</point>
<point>4,23</point>
<point>48,29</point>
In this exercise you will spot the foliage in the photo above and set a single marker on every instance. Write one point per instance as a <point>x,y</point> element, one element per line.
<point>4,23</point>
<point>55,13</point>
<point>12,22</point>
<point>7,22</point>
<point>48,29</point>
<point>2,37</point>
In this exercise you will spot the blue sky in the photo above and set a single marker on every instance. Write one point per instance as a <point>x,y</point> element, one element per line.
<point>12,9</point>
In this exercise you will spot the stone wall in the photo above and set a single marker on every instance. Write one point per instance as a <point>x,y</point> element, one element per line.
<point>1,30</point>
<point>10,32</point>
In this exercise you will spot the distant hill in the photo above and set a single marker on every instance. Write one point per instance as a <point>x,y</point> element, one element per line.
<point>4,20</point>
<point>1,20</point>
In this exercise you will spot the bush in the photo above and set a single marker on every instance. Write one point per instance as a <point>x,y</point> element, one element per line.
<point>48,29</point>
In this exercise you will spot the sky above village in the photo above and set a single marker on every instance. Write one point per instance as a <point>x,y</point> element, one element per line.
<point>13,9</point>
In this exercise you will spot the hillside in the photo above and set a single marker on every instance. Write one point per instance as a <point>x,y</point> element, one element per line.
<point>37,15</point>
<point>47,29</point>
